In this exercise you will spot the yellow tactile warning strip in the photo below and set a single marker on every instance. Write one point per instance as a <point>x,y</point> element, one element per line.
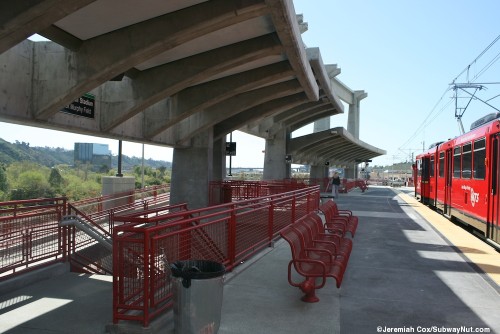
<point>477,251</point>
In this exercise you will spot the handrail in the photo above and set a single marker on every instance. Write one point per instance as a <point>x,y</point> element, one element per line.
<point>73,220</point>
<point>228,233</point>
<point>26,224</point>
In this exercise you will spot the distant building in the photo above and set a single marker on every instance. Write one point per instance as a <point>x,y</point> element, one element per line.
<point>97,155</point>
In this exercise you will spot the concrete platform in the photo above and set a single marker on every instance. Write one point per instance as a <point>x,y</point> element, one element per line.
<point>404,275</point>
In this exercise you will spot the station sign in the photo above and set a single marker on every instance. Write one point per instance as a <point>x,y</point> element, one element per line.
<point>231,148</point>
<point>83,106</point>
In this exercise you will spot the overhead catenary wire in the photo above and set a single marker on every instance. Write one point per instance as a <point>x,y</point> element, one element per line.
<point>487,66</point>
<point>477,58</point>
<point>432,115</point>
<point>426,121</point>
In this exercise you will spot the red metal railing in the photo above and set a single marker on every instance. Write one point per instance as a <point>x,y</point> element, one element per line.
<point>100,211</point>
<point>227,191</point>
<point>227,233</point>
<point>236,190</point>
<point>30,235</point>
<point>84,253</point>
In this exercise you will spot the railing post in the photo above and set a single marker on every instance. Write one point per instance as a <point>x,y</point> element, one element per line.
<point>231,252</point>
<point>271,223</point>
<point>146,278</point>
<point>62,229</point>
<point>308,209</point>
<point>117,278</point>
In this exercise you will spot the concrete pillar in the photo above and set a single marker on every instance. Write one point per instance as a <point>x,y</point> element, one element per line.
<point>192,170</point>
<point>275,165</point>
<point>353,120</point>
<point>322,125</point>
<point>320,171</point>
<point>219,160</point>
<point>112,185</point>
<point>351,171</point>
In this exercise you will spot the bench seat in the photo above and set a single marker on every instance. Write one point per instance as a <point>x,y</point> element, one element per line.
<point>313,260</point>
<point>315,225</point>
<point>339,219</point>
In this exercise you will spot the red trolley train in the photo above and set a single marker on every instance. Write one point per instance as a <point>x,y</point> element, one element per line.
<point>461,177</point>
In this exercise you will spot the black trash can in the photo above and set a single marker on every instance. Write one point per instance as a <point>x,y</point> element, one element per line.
<point>197,287</point>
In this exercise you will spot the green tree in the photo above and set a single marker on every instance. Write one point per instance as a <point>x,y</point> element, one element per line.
<point>3,179</point>
<point>32,184</point>
<point>162,170</point>
<point>75,189</point>
<point>55,179</point>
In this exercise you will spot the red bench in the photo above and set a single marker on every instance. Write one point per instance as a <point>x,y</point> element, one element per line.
<point>335,218</point>
<point>318,232</point>
<point>312,259</point>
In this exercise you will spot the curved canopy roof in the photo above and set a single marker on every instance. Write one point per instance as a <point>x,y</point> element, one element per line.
<point>162,72</point>
<point>335,146</point>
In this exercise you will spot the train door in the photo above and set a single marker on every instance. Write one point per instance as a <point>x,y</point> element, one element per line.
<point>492,228</point>
<point>425,186</point>
<point>448,172</point>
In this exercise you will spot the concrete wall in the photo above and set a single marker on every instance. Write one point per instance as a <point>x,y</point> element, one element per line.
<point>113,185</point>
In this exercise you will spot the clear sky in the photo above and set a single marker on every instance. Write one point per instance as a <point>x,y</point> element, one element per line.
<point>403,53</point>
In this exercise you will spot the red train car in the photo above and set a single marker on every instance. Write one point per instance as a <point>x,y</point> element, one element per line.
<point>461,177</point>
<point>426,180</point>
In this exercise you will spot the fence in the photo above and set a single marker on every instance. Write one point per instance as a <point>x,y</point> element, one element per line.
<point>227,191</point>
<point>84,253</point>
<point>228,233</point>
<point>236,190</point>
<point>30,235</point>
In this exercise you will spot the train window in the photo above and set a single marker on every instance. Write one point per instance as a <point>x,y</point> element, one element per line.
<point>479,156</point>
<point>457,159</point>
<point>467,161</point>
<point>431,167</point>
<point>441,164</point>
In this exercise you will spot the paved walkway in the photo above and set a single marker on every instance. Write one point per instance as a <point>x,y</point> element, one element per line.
<point>403,276</point>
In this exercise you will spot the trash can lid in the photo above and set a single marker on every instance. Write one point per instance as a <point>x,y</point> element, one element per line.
<point>197,269</point>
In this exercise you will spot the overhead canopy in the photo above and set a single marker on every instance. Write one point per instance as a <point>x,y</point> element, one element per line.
<point>336,146</point>
<point>162,72</point>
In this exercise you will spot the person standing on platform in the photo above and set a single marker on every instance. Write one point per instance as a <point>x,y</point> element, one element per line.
<point>335,185</point>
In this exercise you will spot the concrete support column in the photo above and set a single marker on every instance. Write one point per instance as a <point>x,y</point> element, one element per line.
<point>320,171</point>
<point>275,165</point>
<point>351,171</point>
<point>219,160</point>
<point>192,170</point>
<point>353,120</point>
<point>322,125</point>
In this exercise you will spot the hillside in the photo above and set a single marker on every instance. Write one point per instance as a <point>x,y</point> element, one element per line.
<point>48,156</point>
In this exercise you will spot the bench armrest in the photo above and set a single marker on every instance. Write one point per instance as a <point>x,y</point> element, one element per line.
<point>296,264</point>
<point>326,242</point>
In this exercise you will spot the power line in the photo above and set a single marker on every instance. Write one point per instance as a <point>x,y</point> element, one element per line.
<point>487,66</point>
<point>428,118</point>
<point>475,60</point>
<point>425,121</point>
